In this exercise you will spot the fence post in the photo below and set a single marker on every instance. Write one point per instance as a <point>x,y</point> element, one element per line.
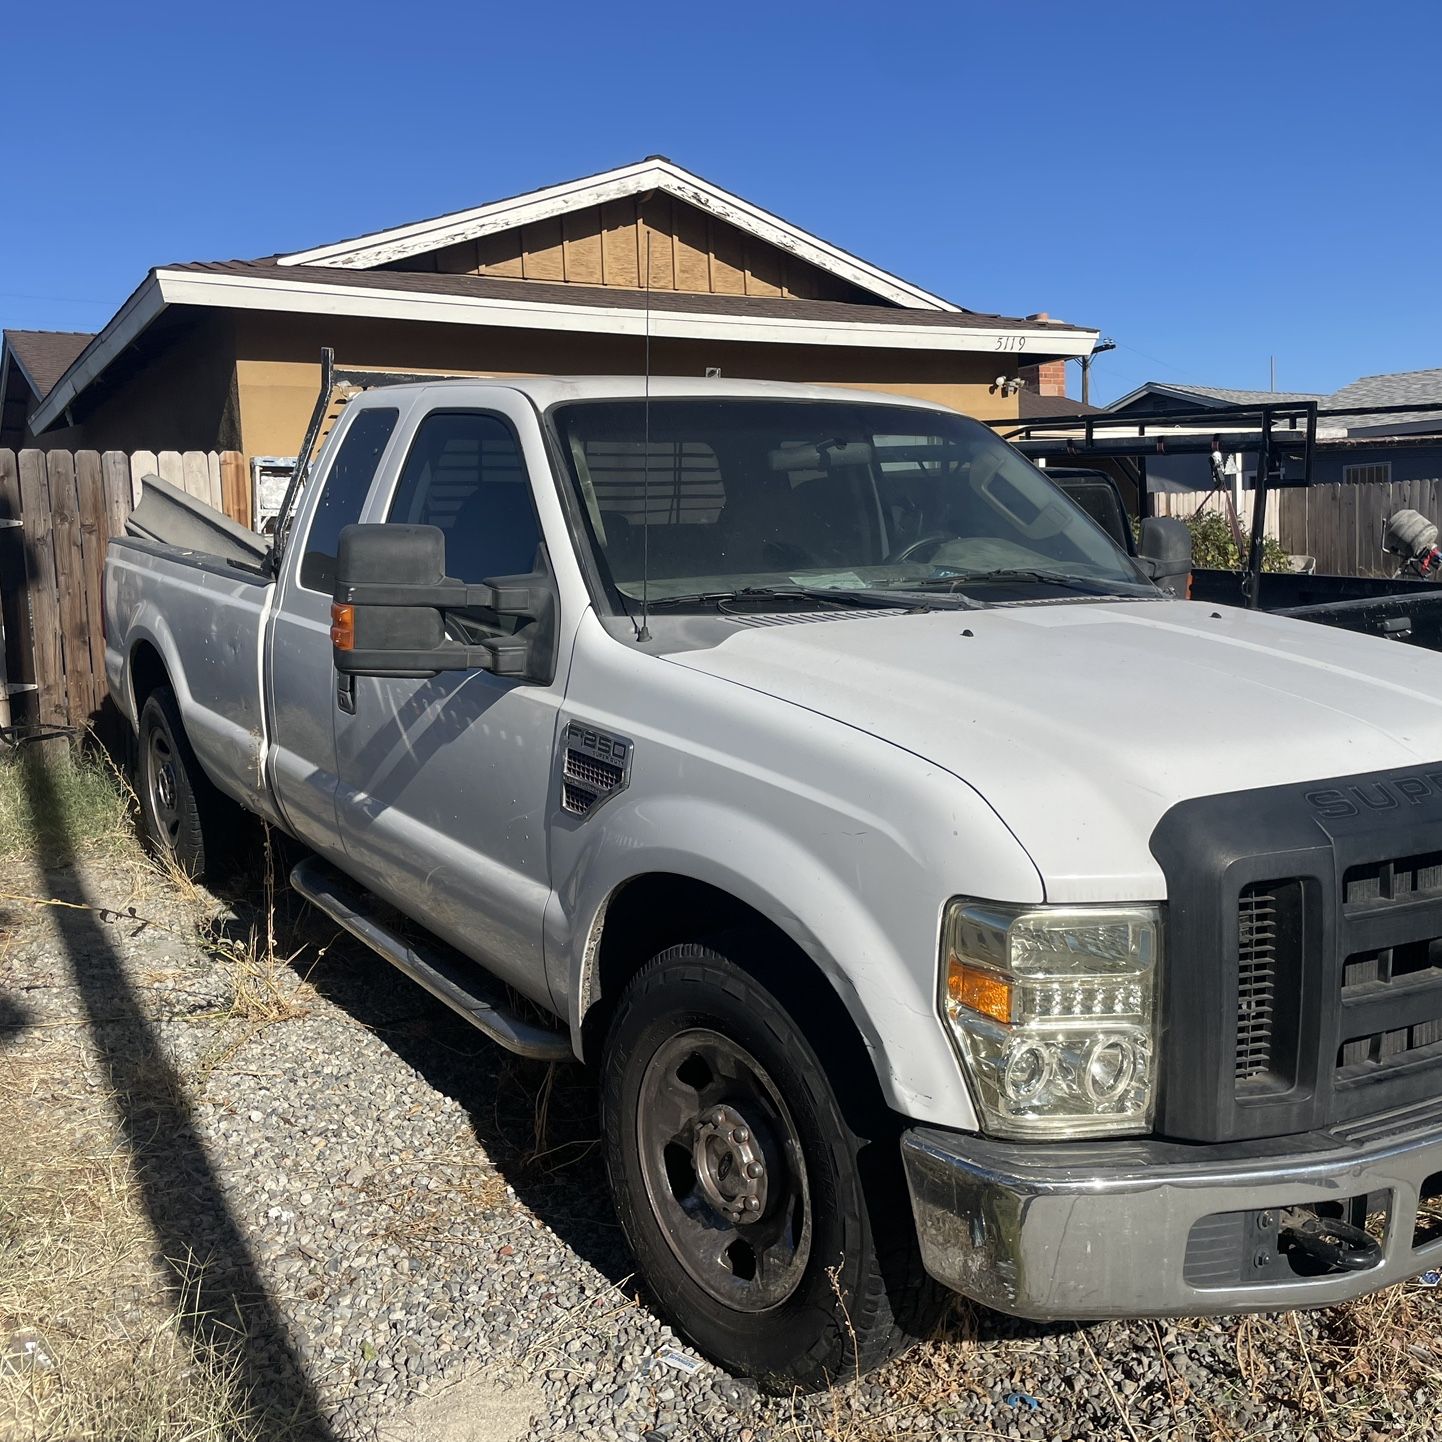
<point>49,670</point>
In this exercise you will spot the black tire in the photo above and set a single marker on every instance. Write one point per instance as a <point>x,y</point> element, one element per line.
<point>818,1303</point>
<point>185,819</point>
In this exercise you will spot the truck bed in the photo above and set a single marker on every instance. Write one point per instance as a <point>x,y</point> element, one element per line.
<point>209,609</point>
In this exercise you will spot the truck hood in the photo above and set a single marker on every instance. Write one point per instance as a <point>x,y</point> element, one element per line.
<point>1081,723</point>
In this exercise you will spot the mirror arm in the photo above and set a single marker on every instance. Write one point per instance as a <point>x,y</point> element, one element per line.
<point>444,595</point>
<point>504,656</point>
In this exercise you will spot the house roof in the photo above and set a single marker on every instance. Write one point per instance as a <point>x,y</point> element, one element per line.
<point>1400,388</point>
<point>525,304</point>
<point>1211,395</point>
<point>43,356</point>
<point>1031,406</point>
<point>347,278</point>
<point>615,298</point>
<point>655,173</point>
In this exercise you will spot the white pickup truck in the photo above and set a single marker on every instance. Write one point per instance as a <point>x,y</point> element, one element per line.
<point>939,900</point>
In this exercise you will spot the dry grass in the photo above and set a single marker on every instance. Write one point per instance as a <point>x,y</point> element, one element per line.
<point>77,1268</point>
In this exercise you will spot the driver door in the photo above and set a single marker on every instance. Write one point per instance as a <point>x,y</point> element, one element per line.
<point>443,782</point>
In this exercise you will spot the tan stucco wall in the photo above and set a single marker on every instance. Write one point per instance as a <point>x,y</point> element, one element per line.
<point>278,366</point>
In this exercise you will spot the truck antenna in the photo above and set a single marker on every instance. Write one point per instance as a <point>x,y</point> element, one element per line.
<point>644,633</point>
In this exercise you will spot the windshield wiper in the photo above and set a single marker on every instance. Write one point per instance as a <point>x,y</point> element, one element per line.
<point>1093,586</point>
<point>835,595</point>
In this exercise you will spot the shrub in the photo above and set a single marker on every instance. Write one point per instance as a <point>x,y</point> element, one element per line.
<point>1214,548</point>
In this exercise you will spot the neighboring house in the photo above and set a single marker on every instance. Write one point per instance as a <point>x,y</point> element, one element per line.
<point>1350,447</point>
<point>225,354</point>
<point>31,361</point>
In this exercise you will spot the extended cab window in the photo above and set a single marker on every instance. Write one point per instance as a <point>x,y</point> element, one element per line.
<point>345,493</point>
<point>464,474</point>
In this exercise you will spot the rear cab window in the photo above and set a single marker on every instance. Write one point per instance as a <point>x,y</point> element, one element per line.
<point>344,492</point>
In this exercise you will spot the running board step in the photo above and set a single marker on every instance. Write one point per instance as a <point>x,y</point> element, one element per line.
<point>457,982</point>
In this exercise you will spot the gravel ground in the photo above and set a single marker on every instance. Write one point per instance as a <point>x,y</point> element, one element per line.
<point>379,1213</point>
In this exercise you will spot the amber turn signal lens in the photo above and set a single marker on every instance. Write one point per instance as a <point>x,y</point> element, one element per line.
<point>979,990</point>
<point>342,627</point>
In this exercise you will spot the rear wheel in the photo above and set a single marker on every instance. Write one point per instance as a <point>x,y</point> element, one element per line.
<point>183,815</point>
<point>779,1240</point>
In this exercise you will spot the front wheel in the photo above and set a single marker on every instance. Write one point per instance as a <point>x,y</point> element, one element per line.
<point>779,1240</point>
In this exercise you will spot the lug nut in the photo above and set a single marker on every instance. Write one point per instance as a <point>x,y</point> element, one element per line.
<point>754,1169</point>
<point>740,1136</point>
<point>753,1204</point>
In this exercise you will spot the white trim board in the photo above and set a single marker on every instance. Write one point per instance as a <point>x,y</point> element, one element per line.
<point>249,292</point>
<point>316,297</point>
<point>655,173</point>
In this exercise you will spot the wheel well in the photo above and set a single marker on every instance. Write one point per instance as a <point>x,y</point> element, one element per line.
<point>147,671</point>
<point>659,910</point>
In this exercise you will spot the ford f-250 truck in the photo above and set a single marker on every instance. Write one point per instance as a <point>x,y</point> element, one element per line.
<point>938,898</point>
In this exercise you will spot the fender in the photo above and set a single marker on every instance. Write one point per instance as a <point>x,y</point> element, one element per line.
<point>881,960</point>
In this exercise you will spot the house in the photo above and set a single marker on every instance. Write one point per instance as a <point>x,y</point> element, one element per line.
<point>1350,447</point>
<point>578,277</point>
<point>31,361</point>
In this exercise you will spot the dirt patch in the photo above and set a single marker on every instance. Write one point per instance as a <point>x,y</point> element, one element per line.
<point>474,1408</point>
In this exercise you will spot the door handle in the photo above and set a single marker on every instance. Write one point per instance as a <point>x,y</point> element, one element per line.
<point>345,693</point>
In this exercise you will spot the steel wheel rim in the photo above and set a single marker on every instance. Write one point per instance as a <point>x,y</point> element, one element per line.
<point>724,1171</point>
<point>162,776</point>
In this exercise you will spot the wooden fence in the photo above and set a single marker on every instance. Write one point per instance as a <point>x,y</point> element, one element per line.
<point>1341,525</point>
<point>57,511</point>
<point>1338,524</point>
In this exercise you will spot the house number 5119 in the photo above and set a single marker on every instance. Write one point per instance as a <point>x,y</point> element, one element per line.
<point>1011,342</point>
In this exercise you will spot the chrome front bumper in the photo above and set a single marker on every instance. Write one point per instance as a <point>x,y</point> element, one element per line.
<point>1150,1228</point>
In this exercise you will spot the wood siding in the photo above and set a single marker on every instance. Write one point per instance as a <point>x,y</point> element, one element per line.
<point>608,245</point>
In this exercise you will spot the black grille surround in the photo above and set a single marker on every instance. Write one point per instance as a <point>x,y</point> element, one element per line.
<point>1303,981</point>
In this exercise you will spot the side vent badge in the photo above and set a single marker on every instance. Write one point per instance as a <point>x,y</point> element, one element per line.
<point>594,767</point>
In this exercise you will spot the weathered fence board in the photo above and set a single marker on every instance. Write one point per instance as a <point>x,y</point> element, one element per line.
<point>42,589</point>
<point>52,566</point>
<point>94,533</point>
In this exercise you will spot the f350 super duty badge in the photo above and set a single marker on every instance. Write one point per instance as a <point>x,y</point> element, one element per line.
<point>595,765</point>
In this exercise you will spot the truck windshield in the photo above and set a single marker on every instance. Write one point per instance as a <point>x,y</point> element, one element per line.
<point>715,497</point>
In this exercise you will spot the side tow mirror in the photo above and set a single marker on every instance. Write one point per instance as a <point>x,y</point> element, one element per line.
<point>1165,553</point>
<point>391,601</point>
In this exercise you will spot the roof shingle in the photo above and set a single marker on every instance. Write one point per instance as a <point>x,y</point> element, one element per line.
<point>564,293</point>
<point>45,355</point>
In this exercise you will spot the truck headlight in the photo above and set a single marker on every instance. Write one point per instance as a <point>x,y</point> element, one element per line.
<point>1052,1010</point>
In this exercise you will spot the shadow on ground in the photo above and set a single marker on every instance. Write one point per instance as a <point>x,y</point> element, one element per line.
<point>220,1293</point>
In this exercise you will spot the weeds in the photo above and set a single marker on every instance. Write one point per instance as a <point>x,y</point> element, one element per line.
<point>92,814</point>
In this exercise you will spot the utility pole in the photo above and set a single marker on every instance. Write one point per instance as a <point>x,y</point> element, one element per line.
<point>1274,375</point>
<point>1086,367</point>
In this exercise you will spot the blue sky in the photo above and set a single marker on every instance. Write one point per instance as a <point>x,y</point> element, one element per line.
<point>1210,185</point>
